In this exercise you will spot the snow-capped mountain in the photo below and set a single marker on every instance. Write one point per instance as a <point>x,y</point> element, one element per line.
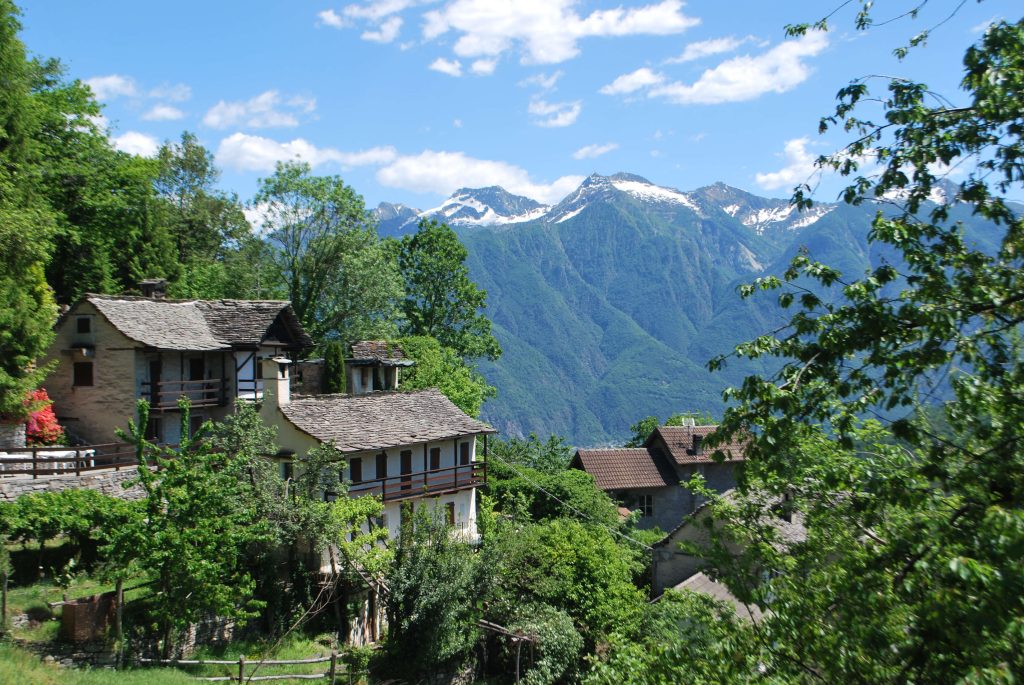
<point>759,213</point>
<point>495,206</point>
<point>486,206</point>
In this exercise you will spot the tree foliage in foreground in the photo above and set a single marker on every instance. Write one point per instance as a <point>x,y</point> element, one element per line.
<point>442,368</point>
<point>913,569</point>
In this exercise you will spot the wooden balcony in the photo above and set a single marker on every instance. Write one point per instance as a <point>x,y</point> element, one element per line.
<point>164,395</point>
<point>423,483</point>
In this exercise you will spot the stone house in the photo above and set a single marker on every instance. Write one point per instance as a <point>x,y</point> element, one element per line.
<point>114,350</point>
<point>648,478</point>
<point>674,566</point>
<point>406,447</point>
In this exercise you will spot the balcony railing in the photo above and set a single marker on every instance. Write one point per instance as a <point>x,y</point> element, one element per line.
<point>422,483</point>
<point>164,395</point>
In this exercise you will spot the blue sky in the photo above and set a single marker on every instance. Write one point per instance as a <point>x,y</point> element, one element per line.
<point>408,100</point>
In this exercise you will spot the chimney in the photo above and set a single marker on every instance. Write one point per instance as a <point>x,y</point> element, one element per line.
<point>153,288</point>
<point>276,384</point>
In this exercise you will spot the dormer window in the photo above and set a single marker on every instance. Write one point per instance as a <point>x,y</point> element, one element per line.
<point>83,324</point>
<point>696,443</point>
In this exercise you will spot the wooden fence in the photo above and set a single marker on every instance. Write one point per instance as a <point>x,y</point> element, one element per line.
<point>334,673</point>
<point>54,461</point>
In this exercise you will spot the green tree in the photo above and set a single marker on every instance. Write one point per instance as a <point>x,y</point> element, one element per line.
<point>440,299</point>
<point>442,368</point>
<point>193,533</point>
<point>431,605</point>
<point>340,281</point>
<point>912,571</point>
<point>334,368</point>
<point>27,308</point>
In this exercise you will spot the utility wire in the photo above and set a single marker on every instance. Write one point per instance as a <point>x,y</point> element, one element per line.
<point>567,505</point>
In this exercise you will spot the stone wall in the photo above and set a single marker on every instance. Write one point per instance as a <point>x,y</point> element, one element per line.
<point>107,482</point>
<point>12,435</point>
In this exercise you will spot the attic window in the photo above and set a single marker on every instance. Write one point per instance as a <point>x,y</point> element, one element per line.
<point>84,324</point>
<point>696,443</point>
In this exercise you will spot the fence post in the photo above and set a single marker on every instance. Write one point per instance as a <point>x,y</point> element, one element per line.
<point>241,669</point>
<point>333,673</point>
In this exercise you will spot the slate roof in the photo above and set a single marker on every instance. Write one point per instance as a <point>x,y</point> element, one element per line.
<point>678,441</point>
<point>704,584</point>
<point>356,423</point>
<point>378,352</point>
<point>626,468</point>
<point>198,325</point>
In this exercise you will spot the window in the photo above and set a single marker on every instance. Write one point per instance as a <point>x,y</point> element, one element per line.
<point>646,505</point>
<point>449,513</point>
<point>696,443</point>
<point>82,374</point>
<point>405,467</point>
<point>435,458</point>
<point>382,465</point>
<point>84,324</point>
<point>464,453</point>
<point>259,368</point>
<point>196,369</point>
<point>287,470</point>
<point>355,467</point>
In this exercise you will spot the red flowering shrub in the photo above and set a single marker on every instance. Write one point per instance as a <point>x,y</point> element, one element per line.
<point>42,427</point>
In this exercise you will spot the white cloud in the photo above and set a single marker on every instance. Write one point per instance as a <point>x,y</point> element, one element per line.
<point>633,81</point>
<point>983,26</point>
<point>163,113</point>
<point>592,151</point>
<point>111,86</point>
<point>263,111</point>
<point>546,31</point>
<point>483,67</point>
<point>542,80</point>
<point>778,70</point>
<point>255,153</point>
<point>331,18</point>
<point>135,143</point>
<point>799,167</point>
<point>386,31</point>
<point>444,172</point>
<point>178,92</point>
<point>457,123</point>
<point>706,48</point>
<point>555,114</point>
<point>450,67</point>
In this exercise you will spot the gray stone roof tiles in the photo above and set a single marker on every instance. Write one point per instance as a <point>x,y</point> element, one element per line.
<point>198,325</point>
<point>357,423</point>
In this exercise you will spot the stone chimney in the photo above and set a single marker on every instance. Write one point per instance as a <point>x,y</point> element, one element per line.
<point>276,384</point>
<point>153,288</point>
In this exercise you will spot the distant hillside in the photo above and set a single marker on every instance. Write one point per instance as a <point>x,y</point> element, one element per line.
<point>609,304</point>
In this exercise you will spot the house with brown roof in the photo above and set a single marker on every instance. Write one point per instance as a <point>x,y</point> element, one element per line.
<point>113,350</point>
<point>648,478</point>
<point>405,447</point>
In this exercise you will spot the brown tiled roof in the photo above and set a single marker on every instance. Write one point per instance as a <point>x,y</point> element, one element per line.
<point>678,442</point>
<point>355,423</point>
<point>625,469</point>
<point>200,325</point>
